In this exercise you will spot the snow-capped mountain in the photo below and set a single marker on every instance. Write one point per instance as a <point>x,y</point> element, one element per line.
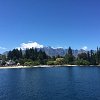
<point>50,51</point>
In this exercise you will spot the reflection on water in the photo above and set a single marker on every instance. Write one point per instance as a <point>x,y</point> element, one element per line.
<point>59,83</point>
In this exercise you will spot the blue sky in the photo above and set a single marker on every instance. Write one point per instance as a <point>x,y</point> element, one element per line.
<point>56,23</point>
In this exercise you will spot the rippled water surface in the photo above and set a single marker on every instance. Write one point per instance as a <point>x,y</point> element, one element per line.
<point>57,83</point>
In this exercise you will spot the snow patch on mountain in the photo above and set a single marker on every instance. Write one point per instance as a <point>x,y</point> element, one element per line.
<point>29,45</point>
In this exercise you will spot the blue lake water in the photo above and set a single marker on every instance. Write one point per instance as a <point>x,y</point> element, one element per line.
<point>57,83</point>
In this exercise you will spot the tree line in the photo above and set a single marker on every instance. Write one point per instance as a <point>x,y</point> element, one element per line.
<point>38,57</point>
<point>29,57</point>
<point>88,58</point>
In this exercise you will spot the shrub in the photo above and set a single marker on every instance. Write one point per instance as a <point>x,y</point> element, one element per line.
<point>82,62</point>
<point>50,63</point>
<point>28,63</point>
<point>60,61</point>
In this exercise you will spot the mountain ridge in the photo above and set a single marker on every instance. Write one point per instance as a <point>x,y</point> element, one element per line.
<point>50,51</point>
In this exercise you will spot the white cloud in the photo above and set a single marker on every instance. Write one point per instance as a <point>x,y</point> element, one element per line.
<point>2,48</point>
<point>85,48</point>
<point>29,45</point>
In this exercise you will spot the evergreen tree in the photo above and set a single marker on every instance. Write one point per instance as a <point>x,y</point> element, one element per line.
<point>93,59</point>
<point>20,53</point>
<point>98,56</point>
<point>88,56</point>
<point>82,56</point>
<point>10,56</point>
<point>35,54</point>
<point>31,54</point>
<point>69,58</point>
<point>27,54</point>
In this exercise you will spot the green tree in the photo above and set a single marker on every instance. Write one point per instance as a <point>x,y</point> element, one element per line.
<point>82,56</point>
<point>42,57</point>
<point>82,62</point>
<point>3,63</point>
<point>88,56</point>
<point>60,61</point>
<point>50,63</point>
<point>69,58</point>
<point>10,56</point>
<point>27,53</point>
<point>98,56</point>
<point>93,58</point>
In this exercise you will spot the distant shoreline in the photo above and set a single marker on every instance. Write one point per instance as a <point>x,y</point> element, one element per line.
<point>6,67</point>
<point>38,66</point>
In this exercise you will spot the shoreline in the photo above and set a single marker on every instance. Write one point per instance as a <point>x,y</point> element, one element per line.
<point>42,66</point>
<point>8,67</point>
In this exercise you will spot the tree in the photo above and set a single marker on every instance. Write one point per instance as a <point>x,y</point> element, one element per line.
<point>42,57</point>
<point>28,64</point>
<point>27,53</point>
<point>15,54</point>
<point>60,61</point>
<point>98,56</point>
<point>3,63</point>
<point>20,53</point>
<point>93,58</point>
<point>3,57</point>
<point>10,56</point>
<point>69,58</point>
<point>35,54</point>
<point>50,63</point>
<point>82,56</point>
<point>88,56</point>
<point>82,62</point>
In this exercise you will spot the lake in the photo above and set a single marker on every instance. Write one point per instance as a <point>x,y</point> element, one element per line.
<point>56,83</point>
